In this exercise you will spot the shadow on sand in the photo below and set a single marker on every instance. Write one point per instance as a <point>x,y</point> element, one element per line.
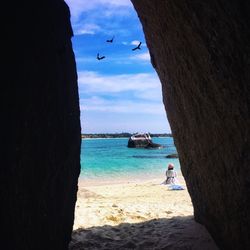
<point>181,233</point>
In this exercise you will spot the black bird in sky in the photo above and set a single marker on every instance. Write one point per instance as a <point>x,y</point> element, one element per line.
<point>110,40</point>
<point>138,46</point>
<point>99,57</point>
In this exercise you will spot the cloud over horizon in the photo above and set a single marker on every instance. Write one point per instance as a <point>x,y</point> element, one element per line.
<point>123,106</point>
<point>93,81</point>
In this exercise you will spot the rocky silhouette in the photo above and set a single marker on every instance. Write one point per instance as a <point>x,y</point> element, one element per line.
<point>211,136</point>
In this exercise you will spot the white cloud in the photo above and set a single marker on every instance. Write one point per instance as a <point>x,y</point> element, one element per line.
<point>141,57</point>
<point>118,3</point>
<point>78,7</point>
<point>88,28</point>
<point>135,93</point>
<point>153,95</point>
<point>91,81</point>
<point>123,106</point>
<point>136,42</point>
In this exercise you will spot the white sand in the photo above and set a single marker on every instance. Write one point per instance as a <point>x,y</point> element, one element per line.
<point>143,215</point>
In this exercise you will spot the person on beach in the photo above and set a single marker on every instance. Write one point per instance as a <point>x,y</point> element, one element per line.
<point>171,175</point>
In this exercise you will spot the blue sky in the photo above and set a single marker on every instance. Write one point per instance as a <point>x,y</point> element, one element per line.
<point>122,92</point>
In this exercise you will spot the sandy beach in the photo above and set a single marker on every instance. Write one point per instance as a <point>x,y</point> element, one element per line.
<point>136,215</point>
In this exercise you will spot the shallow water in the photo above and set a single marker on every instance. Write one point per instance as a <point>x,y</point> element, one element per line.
<point>112,159</point>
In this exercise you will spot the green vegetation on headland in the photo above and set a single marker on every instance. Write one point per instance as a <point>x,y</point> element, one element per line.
<point>120,135</point>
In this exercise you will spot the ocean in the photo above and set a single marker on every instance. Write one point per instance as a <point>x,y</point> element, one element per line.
<point>111,159</point>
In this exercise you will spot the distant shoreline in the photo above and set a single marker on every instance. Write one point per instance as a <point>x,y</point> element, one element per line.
<point>100,138</point>
<point>118,135</point>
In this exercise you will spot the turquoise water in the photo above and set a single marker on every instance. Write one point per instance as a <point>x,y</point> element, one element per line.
<point>112,159</point>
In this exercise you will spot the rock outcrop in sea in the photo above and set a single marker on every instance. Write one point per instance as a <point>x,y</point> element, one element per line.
<point>142,141</point>
<point>172,156</point>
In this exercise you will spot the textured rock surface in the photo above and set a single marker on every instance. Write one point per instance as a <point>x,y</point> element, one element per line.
<point>144,143</point>
<point>200,50</point>
<point>40,128</point>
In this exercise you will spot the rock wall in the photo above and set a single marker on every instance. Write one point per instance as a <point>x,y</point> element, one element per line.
<point>40,126</point>
<point>200,50</point>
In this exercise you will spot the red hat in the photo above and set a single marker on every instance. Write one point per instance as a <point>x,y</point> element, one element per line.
<point>170,166</point>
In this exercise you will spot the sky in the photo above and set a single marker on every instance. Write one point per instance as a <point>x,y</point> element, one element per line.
<point>122,92</point>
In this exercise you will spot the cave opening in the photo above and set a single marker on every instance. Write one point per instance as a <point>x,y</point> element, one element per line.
<point>120,92</point>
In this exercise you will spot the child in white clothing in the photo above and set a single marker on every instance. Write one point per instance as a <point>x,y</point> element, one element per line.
<point>171,175</point>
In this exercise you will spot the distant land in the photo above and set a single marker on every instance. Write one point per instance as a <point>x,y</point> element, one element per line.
<point>121,135</point>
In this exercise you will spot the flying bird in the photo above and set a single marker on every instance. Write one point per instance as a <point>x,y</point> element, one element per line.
<point>110,40</point>
<point>99,57</point>
<point>137,47</point>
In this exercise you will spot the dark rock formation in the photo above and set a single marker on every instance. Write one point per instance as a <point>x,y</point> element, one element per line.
<point>200,50</point>
<point>153,145</point>
<point>40,127</point>
<point>172,156</point>
<point>143,143</point>
<point>138,143</point>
